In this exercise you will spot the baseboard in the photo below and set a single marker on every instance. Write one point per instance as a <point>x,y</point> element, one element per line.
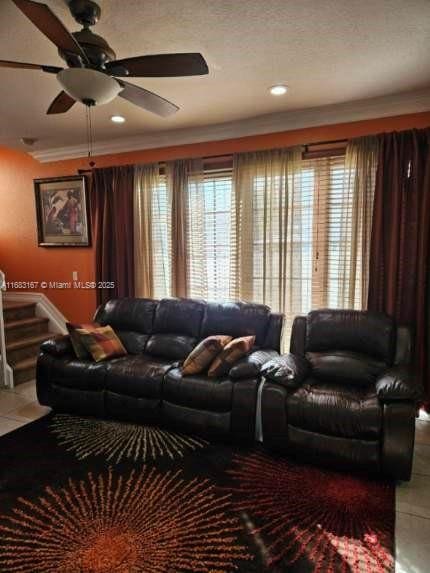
<point>44,308</point>
<point>8,382</point>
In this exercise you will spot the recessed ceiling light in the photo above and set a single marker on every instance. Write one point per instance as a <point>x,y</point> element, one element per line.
<point>117,119</point>
<point>278,90</point>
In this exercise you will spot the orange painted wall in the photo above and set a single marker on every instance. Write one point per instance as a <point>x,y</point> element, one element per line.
<point>22,260</point>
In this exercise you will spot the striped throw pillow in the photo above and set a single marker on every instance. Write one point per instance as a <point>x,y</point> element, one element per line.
<point>230,354</point>
<point>80,350</point>
<point>203,354</point>
<point>102,343</point>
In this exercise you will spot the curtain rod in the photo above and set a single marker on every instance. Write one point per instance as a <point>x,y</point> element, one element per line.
<point>228,156</point>
<point>329,141</point>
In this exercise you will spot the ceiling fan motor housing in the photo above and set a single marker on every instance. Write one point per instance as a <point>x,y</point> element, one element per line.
<point>95,47</point>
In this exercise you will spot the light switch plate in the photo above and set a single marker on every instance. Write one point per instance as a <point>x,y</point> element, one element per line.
<point>75,275</point>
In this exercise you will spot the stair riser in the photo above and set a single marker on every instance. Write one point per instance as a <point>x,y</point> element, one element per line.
<point>11,314</point>
<point>24,375</point>
<point>25,331</point>
<point>30,351</point>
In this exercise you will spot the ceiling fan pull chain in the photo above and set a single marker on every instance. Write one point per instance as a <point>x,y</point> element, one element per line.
<point>89,135</point>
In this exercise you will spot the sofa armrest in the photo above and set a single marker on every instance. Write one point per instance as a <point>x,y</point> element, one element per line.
<point>398,383</point>
<point>288,370</point>
<point>58,346</point>
<point>250,366</point>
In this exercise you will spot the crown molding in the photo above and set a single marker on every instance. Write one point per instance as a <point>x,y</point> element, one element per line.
<point>385,106</point>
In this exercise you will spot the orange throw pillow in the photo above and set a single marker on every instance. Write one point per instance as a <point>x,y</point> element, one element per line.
<point>102,343</point>
<point>203,354</point>
<point>230,354</point>
<point>80,350</point>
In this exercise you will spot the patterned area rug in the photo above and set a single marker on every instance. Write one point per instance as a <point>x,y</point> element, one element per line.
<point>79,495</point>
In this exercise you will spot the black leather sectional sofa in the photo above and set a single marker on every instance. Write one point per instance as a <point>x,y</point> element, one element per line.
<point>147,385</point>
<point>343,395</point>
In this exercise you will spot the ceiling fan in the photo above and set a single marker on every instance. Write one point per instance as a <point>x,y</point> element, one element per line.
<point>93,72</point>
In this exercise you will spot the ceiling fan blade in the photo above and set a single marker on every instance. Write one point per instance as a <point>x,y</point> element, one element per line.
<point>26,66</point>
<point>159,66</point>
<point>147,100</point>
<point>48,23</point>
<point>62,103</point>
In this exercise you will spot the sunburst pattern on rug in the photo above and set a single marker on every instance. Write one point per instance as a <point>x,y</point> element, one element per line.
<point>119,440</point>
<point>145,521</point>
<point>337,522</point>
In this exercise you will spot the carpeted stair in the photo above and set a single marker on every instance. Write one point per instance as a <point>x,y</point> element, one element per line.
<point>24,332</point>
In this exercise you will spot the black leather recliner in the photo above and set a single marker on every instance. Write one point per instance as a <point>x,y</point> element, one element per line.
<point>345,395</point>
<point>146,385</point>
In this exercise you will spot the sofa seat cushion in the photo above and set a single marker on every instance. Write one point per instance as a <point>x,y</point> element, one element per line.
<point>335,409</point>
<point>198,391</point>
<point>139,376</point>
<point>344,366</point>
<point>78,374</point>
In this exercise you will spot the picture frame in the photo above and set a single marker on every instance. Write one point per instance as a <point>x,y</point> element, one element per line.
<point>62,212</point>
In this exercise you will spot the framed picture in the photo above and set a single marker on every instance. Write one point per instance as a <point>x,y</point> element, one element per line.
<point>62,209</point>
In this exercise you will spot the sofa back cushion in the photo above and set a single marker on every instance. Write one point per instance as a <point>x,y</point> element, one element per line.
<point>133,314</point>
<point>170,346</point>
<point>345,367</point>
<point>131,318</point>
<point>176,328</point>
<point>363,332</point>
<point>179,316</point>
<point>274,331</point>
<point>236,319</point>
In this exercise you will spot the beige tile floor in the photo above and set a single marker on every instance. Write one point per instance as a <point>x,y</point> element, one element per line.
<point>20,406</point>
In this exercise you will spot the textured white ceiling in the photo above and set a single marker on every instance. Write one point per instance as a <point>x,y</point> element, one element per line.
<point>328,52</point>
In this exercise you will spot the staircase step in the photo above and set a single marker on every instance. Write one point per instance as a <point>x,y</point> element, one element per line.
<point>24,371</point>
<point>25,347</point>
<point>24,328</point>
<point>13,311</point>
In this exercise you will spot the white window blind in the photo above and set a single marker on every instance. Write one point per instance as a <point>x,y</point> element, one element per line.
<point>161,240</point>
<point>211,278</point>
<point>208,236</point>
<point>336,278</point>
<point>282,249</point>
<point>306,239</point>
<point>311,243</point>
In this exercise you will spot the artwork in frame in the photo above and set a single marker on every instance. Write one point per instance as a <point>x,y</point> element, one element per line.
<point>62,209</point>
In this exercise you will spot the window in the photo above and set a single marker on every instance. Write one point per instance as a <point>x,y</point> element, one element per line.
<point>301,221</point>
<point>335,282</point>
<point>161,240</point>
<point>209,244</point>
<point>282,249</point>
<point>215,242</point>
<point>301,262</point>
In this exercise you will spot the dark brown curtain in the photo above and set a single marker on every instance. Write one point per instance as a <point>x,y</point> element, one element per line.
<point>400,243</point>
<point>112,218</point>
